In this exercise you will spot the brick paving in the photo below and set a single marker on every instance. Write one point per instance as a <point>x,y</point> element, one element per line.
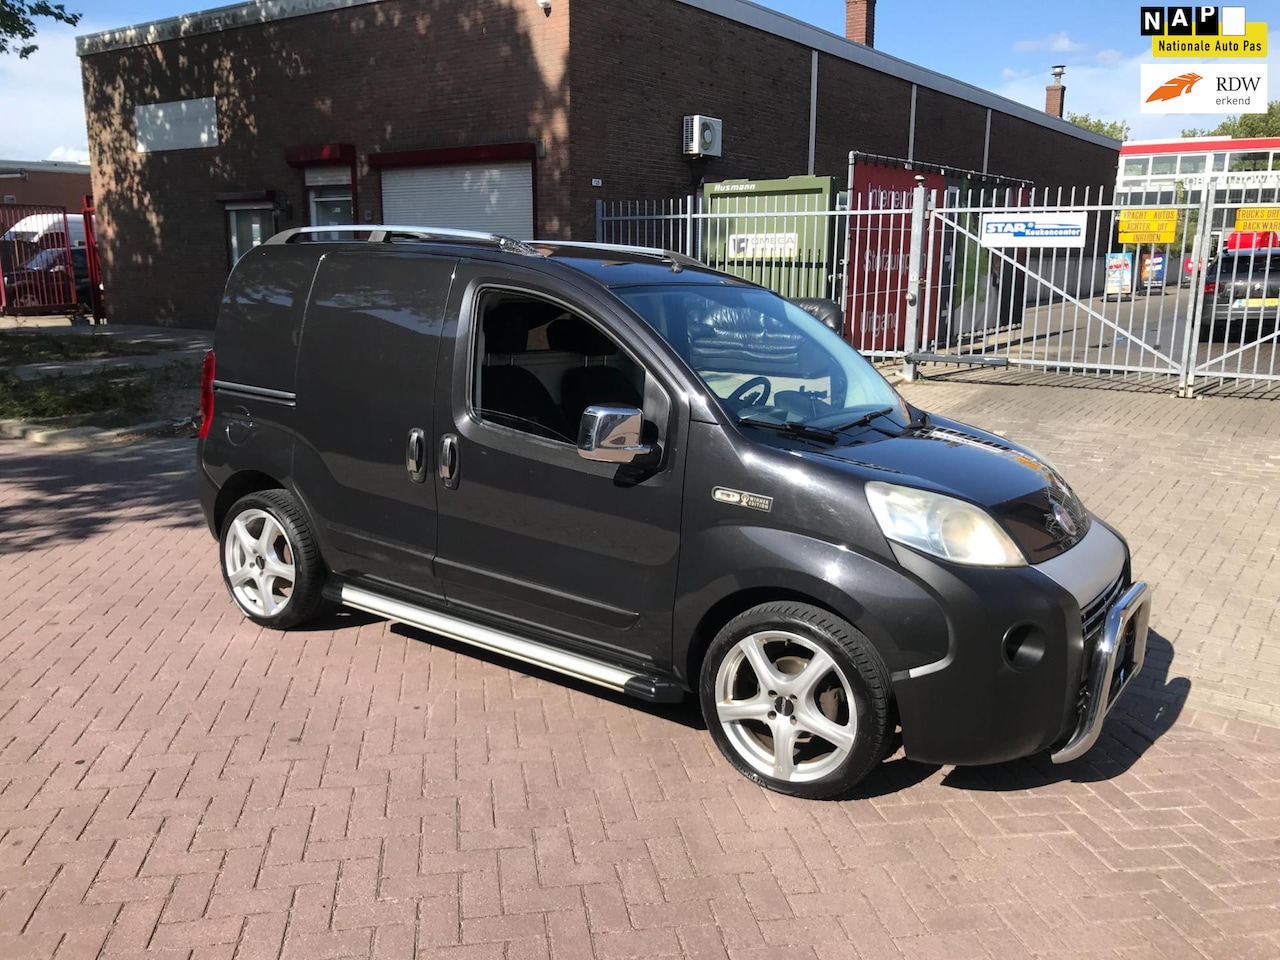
<point>178,783</point>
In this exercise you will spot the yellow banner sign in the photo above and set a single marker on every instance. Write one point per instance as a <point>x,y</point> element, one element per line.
<point>1258,218</point>
<point>1163,236</point>
<point>1146,215</point>
<point>1252,44</point>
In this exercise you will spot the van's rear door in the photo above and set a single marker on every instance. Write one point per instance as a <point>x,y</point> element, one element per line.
<point>366,369</point>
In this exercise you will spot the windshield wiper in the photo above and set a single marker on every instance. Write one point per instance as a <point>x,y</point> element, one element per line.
<point>795,429</point>
<point>865,419</point>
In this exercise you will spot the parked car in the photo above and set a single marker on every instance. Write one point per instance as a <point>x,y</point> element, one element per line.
<point>45,280</point>
<point>628,468</point>
<point>1241,298</point>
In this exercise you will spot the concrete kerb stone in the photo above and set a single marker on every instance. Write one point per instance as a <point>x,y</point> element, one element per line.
<point>82,436</point>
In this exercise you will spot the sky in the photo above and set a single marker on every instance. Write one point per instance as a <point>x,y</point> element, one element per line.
<point>1006,46</point>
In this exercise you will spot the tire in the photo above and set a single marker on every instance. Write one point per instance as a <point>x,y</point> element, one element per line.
<point>270,561</point>
<point>845,696</point>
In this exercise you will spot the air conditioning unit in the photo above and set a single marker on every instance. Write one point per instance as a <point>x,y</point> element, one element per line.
<point>703,136</point>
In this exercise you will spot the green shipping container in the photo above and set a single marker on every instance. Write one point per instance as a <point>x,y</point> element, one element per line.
<point>777,233</point>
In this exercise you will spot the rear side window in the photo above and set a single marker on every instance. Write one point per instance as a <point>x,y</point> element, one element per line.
<point>1257,264</point>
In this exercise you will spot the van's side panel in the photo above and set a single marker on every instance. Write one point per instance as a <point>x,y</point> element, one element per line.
<point>365,381</point>
<point>256,347</point>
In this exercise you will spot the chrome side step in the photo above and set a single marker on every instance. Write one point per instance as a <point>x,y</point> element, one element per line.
<point>518,648</point>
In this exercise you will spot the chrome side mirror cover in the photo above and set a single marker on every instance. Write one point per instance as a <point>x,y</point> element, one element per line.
<point>610,434</point>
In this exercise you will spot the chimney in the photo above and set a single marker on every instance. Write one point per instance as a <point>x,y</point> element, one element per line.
<point>1055,93</point>
<point>860,21</point>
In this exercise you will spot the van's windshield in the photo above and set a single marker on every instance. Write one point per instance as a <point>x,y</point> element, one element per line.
<point>768,362</point>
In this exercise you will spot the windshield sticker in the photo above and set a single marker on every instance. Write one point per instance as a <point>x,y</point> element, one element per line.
<point>740,498</point>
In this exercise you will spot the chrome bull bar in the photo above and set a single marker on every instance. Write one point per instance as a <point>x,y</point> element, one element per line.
<point>1132,609</point>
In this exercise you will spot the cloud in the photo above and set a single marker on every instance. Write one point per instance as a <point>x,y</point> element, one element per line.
<point>1108,58</point>
<point>41,98</point>
<point>1055,42</point>
<point>1008,74</point>
<point>68,155</point>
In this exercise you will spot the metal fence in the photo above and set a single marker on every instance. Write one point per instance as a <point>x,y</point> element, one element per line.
<point>927,278</point>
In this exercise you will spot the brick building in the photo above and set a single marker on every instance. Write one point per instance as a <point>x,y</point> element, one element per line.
<point>51,182</point>
<point>209,132</point>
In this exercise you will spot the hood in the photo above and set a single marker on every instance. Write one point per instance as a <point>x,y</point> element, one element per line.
<point>1029,498</point>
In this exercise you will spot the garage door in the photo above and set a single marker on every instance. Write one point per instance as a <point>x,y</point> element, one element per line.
<point>492,198</point>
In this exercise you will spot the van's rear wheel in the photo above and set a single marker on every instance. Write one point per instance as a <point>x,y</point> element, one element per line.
<point>270,562</point>
<point>797,699</point>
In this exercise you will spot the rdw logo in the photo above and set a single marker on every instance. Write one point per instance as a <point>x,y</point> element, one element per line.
<point>1177,87</point>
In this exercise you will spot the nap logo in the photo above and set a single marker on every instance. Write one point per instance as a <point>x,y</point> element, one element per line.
<point>1199,21</point>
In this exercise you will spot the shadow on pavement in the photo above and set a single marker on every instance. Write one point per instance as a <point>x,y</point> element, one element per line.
<point>53,496</point>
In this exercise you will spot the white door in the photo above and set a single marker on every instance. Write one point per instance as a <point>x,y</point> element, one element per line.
<point>491,198</point>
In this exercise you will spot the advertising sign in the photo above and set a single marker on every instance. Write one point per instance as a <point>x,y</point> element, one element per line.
<point>1032,230</point>
<point>1153,269</point>
<point>1119,274</point>
<point>880,248</point>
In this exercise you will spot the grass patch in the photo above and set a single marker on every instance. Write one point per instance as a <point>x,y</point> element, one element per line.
<point>108,398</point>
<point>18,347</point>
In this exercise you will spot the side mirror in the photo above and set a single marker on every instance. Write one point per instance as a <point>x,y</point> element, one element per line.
<point>612,434</point>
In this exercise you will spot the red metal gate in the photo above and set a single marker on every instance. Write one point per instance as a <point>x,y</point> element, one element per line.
<point>45,262</point>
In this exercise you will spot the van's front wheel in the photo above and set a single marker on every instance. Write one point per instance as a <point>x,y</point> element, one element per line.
<point>270,562</point>
<point>797,699</point>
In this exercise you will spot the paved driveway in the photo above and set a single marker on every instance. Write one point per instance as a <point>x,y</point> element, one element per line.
<point>176,782</point>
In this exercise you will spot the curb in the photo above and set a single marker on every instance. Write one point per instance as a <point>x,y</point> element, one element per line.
<point>80,436</point>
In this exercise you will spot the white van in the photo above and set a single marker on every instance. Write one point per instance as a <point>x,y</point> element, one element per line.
<point>37,232</point>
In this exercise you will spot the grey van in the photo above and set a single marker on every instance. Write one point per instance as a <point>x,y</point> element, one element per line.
<point>620,465</point>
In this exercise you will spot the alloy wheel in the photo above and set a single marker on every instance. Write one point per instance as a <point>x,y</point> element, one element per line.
<point>259,563</point>
<point>785,706</point>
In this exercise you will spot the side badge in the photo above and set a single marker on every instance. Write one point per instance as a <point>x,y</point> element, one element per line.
<point>740,498</point>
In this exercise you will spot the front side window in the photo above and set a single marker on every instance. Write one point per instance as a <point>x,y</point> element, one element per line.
<point>539,365</point>
<point>765,360</point>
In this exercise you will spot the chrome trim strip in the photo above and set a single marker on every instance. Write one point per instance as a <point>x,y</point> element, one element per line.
<point>1134,607</point>
<point>1089,567</point>
<point>258,393</point>
<point>486,638</point>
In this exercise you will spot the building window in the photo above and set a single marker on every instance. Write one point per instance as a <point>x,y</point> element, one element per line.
<point>1135,167</point>
<point>1250,161</point>
<point>331,205</point>
<point>248,225</point>
<point>1164,165</point>
<point>1219,162</point>
<point>1191,164</point>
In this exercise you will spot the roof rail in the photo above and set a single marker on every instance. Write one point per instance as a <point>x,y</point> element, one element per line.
<point>388,233</point>
<point>657,252</point>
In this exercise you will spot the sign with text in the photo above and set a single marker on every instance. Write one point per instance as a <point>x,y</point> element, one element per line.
<point>1258,218</point>
<point>1202,31</point>
<point>1029,230</point>
<point>1119,274</point>
<point>1206,88</point>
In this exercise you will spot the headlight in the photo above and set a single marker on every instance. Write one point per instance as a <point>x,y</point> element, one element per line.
<point>942,526</point>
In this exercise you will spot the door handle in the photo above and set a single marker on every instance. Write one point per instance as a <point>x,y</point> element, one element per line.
<point>449,460</point>
<point>415,457</point>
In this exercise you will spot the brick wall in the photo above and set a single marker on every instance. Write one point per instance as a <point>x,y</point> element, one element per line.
<point>48,187</point>
<point>638,68</point>
<point>394,76</point>
<point>405,75</point>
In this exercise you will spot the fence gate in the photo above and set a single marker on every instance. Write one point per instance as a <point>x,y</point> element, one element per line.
<point>1058,282</point>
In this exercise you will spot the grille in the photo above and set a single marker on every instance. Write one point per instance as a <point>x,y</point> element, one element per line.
<point>1095,614</point>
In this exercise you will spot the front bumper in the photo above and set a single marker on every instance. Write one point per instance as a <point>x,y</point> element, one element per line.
<point>1117,658</point>
<point>1037,655</point>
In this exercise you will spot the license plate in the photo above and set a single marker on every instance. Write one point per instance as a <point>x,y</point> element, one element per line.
<point>1257,302</point>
